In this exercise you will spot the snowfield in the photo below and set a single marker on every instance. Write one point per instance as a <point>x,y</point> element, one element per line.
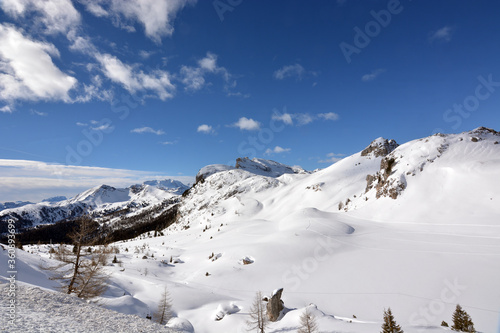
<point>40,310</point>
<point>347,242</point>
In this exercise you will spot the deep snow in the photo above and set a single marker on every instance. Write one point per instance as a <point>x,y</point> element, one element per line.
<point>436,245</point>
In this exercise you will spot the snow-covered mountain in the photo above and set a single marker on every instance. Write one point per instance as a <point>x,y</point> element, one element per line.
<point>98,201</point>
<point>413,227</point>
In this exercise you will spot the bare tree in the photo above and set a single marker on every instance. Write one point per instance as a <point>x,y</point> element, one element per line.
<point>82,271</point>
<point>164,313</point>
<point>258,319</point>
<point>308,323</point>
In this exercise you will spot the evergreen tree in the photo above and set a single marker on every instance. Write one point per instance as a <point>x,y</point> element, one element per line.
<point>389,325</point>
<point>462,322</point>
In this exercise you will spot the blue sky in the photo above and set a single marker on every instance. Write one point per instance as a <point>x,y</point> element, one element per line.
<point>120,91</point>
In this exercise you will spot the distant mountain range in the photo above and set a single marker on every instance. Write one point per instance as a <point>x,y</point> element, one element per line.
<point>383,169</point>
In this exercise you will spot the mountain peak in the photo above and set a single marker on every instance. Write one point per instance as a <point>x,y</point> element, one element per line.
<point>380,147</point>
<point>264,167</point>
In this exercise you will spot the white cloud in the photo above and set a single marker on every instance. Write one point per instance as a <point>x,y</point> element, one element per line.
<point>373,75</point>
<point>6,109</point>
<point>95,7</point>
<point>142,130</point>
<point>206,129</point>
<point>27,71</point>
<point>55,16</point>
<point>103,128</point>
<point>295,70</point>
<point>38,113</point>
<point>329,116</point>
<point>81,124</point>
<point>194,77</point>
<point>332,158</point>
<point>246,124</point>
<point>157,82</point>
<point>277,150</point>
<point>209,63</point>
<point>35,181</point>
<point>301,119</point>
<point>145,54</point>
<point>81,44</point>
<point>156,16</point>
<point>284,117</point>
<point>443,34</point>
<point>168,143</point>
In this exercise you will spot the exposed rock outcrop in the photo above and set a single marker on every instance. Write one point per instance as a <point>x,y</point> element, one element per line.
<point>380,147</point>
<point>275,305</point>
<point>381,181</point>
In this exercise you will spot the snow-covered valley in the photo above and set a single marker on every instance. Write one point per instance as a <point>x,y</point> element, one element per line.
<point>413,227</point>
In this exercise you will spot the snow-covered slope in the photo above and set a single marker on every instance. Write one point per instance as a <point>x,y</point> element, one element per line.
<point>412,227</point>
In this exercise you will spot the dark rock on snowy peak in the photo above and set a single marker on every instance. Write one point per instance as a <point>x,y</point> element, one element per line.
<point>275,305</point>
<point>209,170</point>
<point>485,130</point>
<point>380,147</point>
<point>257,166</point>
<point>267,168</point>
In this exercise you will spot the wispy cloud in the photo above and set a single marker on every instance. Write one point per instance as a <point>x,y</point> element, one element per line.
<point>284,117</point>
<point>156,82</point>
<point>329,116</point>
<point>38,113</point>
<point>167,143</point>
<point>295,70</point>
<point>277,150</point>
<point>301,119</point>
<point>443,34</point>
<point>195,77</point>
<point>205,129</point>
<point>332,158</point>
<point>146,129</point>
<point>246,124</point>
<point>35,181</point>
<point>6,109</point>
<point>373,75</point>
<point>103,128</point>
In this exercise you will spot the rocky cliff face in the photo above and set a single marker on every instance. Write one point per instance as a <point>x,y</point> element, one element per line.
<point>380,147</point>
